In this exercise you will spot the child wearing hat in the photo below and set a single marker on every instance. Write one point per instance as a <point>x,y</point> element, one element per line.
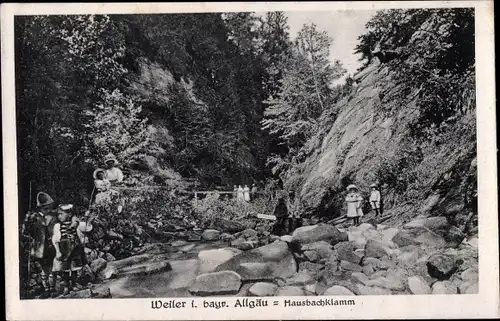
<point>113,173</point>
<point>39,227</point>
<point>70,255</point>
<point>375,198</point>
<point>354,202</point>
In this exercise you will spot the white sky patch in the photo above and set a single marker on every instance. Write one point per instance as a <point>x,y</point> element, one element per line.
<point>344,26</point>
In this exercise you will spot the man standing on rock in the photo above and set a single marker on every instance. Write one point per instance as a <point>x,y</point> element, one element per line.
<point>375,199</point>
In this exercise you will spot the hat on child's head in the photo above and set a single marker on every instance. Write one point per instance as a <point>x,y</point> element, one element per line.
<point>43,199</point>
<point>97,171</point>
<point>110,158</point>
<point>65,207</point>
<point>352,186</point>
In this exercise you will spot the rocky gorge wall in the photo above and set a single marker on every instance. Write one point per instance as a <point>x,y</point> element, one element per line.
<point>370,142</point>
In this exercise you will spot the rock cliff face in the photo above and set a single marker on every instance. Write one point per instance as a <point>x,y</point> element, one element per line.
<point>369,142</point>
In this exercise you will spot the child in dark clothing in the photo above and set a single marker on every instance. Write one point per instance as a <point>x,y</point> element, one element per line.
<point>70,255</point>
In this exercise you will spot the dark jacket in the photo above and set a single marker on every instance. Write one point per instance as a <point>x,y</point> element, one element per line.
<point>41,231</point>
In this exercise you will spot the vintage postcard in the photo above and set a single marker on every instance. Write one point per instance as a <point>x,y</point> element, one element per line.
<point>278,160</point>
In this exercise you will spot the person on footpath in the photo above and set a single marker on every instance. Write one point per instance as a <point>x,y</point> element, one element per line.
<point>68,243</point>
<point>375,199</point>
<point>246,193</point>
<point>235,192</point>
<point>354,202</point>
<point>39,227</point>
<point>294,211</point>
<point>281,213</point>
<point>114,175</point>
<point>254,191</point>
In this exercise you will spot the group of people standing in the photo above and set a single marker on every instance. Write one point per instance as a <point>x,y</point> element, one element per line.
<point>244,194</point>
<point>56,234</point>
<point>354,202</point>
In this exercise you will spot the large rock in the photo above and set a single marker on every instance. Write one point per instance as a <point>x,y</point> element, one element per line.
<point>444,287</point>
<point>375,249</point>
<point>315,233</point>
<point>290,291</point>
<point>230,226</point>
<point>318,250</point>
<point>370,290</point>
<point>109,272</point>
<point>211,259</point>
<point>391,283</point>
<point>301,278</point>
<point>98,265</point>
<point>441,266</point>
<point>262,289</point>
<point>418,285</point>
<point>82,294</point>
<point>247,234</point>
<point>361,277</point>
<point>338,290</point>
<point>210,235</point>
<point>265,262</point>
<point>435,224</point>
<point>349,266</point>
<point>309,266</point>
<point>102,292</point>
<point>403,238</point>
<point>345,251</point>
<point>217,283</point>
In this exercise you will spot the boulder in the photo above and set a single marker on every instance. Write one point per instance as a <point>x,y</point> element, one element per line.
<point>391,283</point>
<point>444,287</point>
<point>431,240</point>
<point>262,289</point>
<point>402,239</point>
<point>245,245</point>
<point>286,238</point>
<point>247,234</point>
<point>312,256</point>
<point>108,272</point>
<point>338,290</point>
<point>210,235</point>
<point>86,275</point>
<point>108,257</point>
<point>418,285</point>
<point>322,250</point>
<point>230,226</point>
<point>370,290</point>
<point>454,236</point>
<point>98,265</point>
<point>470,275</point>
<point>102,292</point>
<point>315,233</point>
<point>349,266</point>
<point>345,251</point>
<point>130,261</point>
<point>217,283</point>
<point>290,291</point>
<point>211,259</point>
<point>301,278</point>
<point>435,224</point>
<point>273,260</point>
<point>309,266</point>
<point>82,294</point>
<point>375,249</point>
<point>441,266</point>
<point>226,237</point>
<point>361,277</point>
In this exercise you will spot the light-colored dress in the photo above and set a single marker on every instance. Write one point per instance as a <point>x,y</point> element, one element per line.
<point>246,193</point>
<point>375,199</point>
<point>114,175</point>
<point>353,201</point>
<point>105,197</point>
<point>241,196</point>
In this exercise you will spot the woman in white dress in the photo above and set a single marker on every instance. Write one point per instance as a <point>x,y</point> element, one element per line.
<point>241,196</point>
<point>354,202</point>
<point>246,193</point>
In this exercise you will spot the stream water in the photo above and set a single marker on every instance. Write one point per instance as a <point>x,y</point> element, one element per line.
<point>183,259</point>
